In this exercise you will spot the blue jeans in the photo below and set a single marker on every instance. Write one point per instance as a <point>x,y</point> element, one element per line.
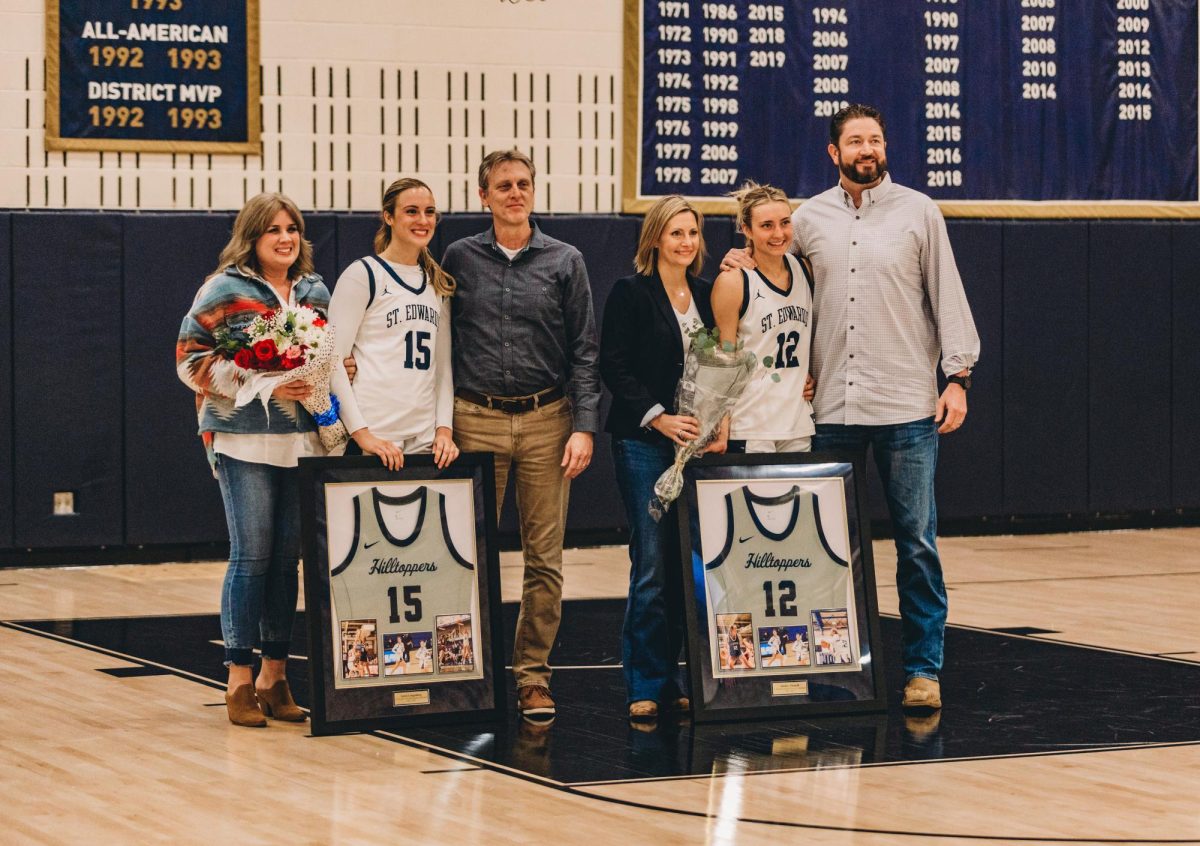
<point>906,455</point>
<point>652,636</point>
<point>258,598</point>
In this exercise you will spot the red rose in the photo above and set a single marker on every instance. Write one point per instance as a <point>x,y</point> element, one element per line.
<point>291,363</point>
<point>244,358</point>
<point>318,321</point>
<point>265,350</point>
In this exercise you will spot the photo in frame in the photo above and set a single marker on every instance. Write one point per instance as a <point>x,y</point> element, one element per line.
<point>402,592</point>
<point>779,587</point>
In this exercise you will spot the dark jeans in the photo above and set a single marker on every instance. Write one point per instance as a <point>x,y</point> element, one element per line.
<point>258,598</point>
<point>906,455</point>
<point>652,636</point>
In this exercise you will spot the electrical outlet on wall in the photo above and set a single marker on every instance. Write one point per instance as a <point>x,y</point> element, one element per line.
<point>64,503</point>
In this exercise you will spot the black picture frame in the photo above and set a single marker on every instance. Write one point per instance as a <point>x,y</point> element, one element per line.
<point>329,494</point>
<point>723,688</point>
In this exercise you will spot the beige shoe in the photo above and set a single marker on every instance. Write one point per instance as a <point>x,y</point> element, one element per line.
<point>276,701</point>
<point>535,703</point>
<point>643,710</point>
<point>922,693</point>
<point>681,705</point>
<point>243,707</point>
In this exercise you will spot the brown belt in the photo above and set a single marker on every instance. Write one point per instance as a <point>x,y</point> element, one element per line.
<point>512,405</point>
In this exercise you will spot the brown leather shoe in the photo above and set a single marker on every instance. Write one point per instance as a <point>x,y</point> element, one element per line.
<point>680,705</point>
<point>535,703</point>
<point>643,710</point>
<point>243,707</point>
<point>922,693</point>
<point>276,701</point>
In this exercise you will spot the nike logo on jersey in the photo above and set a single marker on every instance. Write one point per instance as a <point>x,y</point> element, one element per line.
<point>743,540</point>
<point>369,545</point>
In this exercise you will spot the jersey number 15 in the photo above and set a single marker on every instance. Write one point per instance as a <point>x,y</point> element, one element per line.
<point>412,602</point>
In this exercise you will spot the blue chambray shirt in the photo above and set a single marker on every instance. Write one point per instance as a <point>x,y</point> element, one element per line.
<point>525,325</point>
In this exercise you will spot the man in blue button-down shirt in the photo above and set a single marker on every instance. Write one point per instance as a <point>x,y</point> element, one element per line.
<point>527,388</point>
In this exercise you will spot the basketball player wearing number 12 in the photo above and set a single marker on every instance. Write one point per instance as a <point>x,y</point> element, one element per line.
<point>768,308</point>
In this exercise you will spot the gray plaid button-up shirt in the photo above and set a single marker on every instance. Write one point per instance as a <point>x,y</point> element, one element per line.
<point>888,303</point>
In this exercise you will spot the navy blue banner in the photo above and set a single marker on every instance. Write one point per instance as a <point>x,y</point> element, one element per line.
<point>153,74</point>
<point>992,100</point>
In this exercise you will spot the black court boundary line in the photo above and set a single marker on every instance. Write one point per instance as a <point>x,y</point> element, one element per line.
<point>1109,577</point>
<point>1160,656</point>
<point>574,789</point>
<point>1082,750</point>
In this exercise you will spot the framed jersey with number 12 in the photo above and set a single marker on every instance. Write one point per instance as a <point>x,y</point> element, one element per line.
<point>401,583</point>
<point>782,613</point>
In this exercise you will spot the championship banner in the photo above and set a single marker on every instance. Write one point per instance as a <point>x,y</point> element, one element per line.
<point>401,592</point>
<point>993,107</point>
<point>782,615</point>
<point>171,76</point>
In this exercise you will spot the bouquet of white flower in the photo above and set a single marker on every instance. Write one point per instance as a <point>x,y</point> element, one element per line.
<point>714,375</point>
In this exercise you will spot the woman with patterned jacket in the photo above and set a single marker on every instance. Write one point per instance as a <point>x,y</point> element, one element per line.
<point>267,264</point>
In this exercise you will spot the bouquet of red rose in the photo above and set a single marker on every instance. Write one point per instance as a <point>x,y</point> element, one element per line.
<point>289,343</point>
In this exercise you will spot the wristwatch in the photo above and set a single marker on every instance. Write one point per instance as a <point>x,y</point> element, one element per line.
<point>962,381</point>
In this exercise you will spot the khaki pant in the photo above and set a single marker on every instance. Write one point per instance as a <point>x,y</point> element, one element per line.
<point>532,445</point>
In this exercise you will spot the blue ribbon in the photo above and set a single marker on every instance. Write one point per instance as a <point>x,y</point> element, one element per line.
<point>328,418</point>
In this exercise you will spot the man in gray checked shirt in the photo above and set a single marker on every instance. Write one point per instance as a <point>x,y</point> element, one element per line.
<point>888,303</point>
<point>527,388</point>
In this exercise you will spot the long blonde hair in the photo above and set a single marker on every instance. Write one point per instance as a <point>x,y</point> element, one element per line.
<point>443,283</point>
<point>252,221</point>
<point>749,196</point>
<point>645,259</point>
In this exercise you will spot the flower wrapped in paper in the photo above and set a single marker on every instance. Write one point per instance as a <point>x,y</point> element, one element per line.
<point>285,345</point>
<point>714,375</point>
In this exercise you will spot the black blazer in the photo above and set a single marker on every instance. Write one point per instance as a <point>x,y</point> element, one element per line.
<point>641,353</point>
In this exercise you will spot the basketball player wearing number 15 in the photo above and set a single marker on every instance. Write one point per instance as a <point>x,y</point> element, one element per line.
<point>391,312</point>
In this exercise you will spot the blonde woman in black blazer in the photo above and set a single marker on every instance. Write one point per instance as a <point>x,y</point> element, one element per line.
<point>643,342</point>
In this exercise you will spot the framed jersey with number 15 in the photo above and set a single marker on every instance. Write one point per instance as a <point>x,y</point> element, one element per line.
<point>401,586</point>
<point>781,609</point>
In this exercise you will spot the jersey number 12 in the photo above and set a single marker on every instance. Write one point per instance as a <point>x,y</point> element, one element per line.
<point>787,599</point>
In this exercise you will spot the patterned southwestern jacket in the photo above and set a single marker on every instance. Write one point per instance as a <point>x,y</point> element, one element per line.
<point>233,299</point>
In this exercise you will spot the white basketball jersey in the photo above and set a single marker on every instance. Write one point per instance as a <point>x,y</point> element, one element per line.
<point>777,324</point>
<point>777,577</point>
<point>402,584</point>
<point>394,350</point>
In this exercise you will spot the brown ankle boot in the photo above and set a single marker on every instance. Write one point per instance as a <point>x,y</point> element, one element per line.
<point>276,701</point>
<point>243,707</point>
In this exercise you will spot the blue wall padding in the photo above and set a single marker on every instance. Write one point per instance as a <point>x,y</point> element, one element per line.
<point>170,493</point>
<point>1185,370</point>
<point>68,393</point>
<point>1129,368</point>
<point>971,460</point>
<point>1045,367</point>
<point>7,482</point>
<point>1084,401</point>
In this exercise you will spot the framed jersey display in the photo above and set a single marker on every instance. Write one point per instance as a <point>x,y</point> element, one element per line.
<point>782,614</point>
<point>401,586</point>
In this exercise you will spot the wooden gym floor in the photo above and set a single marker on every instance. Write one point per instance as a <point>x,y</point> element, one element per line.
<point>1072,715</point>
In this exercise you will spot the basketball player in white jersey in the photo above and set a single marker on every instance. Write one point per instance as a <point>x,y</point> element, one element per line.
<point>391,314</point>
<point>769,309</point>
